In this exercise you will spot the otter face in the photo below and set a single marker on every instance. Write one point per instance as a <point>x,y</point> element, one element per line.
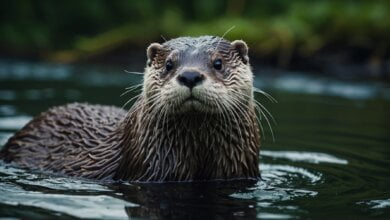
<point>198,75</point>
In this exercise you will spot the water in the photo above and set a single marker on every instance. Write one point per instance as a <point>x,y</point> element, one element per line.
<point>330,157</point>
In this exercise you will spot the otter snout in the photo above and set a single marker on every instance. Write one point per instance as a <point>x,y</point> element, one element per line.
<point>190,78</point>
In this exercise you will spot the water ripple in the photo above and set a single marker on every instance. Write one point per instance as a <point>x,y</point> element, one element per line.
<point>27,70</point>
<point>4,136</point>
<point>82,198</point>
<point>377,204</point>
<point>313,85</point>
<point>275,178</point>
<point>286,172</point>
<point>309,157</point>
<point>7,95</point>
<point>81,206</point>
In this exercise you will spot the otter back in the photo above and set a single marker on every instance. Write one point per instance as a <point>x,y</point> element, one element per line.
<point>66,139</point>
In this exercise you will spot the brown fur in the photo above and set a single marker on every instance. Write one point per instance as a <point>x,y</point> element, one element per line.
<point>156,140</point>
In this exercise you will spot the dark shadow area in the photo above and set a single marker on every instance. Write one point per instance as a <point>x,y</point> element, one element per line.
<point>198,200</point>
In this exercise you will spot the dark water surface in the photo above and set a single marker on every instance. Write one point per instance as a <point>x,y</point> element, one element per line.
<point>330,157</point>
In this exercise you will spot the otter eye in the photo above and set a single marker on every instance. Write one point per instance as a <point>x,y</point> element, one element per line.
<point>217,64</point>
<point>169,65</point>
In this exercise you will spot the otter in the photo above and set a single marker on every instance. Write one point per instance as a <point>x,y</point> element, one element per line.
<point>194,120</point>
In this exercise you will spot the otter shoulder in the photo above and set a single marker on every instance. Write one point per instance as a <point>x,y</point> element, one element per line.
<point>62,134</point>
<point>84,113</point>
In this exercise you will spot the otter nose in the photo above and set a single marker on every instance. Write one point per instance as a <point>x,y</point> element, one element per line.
<point>190,78</point>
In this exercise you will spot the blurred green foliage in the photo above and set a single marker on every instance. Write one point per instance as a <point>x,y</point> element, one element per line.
<point>67,30</point>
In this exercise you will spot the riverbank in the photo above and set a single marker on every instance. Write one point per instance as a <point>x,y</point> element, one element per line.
<point>342,38</point>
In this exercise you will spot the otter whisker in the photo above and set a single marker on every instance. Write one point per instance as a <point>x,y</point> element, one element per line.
<point>229,111</point>
<point>260,112</point>
<point>237,104</point>
<point>266,110</point>
<point>138,107</point>
<point>260,105</point>
<point>228,119</point>
<point>228,122</point>
<point>165,120</point>
<point>267,95</point>
<point>124,93</point>
<point>235,118</point>
<point>221,114</point>
<point>131,88</point>
<point>134,72</point>
<point>258,118</point>
<point>151,110</point>
<point>135,97</point>
<point>269,125</point>
<point>134,86</point>
<point>159,111</point>
<point>224,34</point>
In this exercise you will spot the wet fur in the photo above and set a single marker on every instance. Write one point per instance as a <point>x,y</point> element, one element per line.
<point>157,139</point>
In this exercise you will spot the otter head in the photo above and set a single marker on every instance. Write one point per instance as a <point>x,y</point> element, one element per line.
<point>198,75</point>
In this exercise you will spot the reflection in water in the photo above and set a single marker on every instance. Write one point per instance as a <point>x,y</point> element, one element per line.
<point>239,198</point>
<point>205,200</point>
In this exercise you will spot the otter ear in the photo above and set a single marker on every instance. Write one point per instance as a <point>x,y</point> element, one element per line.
<point>151,52</point>
<point>242,49</point>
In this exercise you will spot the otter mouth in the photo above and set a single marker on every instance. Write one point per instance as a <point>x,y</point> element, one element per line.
<point>192,98</point>
<point>192,104</point>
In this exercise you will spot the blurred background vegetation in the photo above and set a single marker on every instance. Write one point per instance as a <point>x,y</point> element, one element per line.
<point>281,30</point>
